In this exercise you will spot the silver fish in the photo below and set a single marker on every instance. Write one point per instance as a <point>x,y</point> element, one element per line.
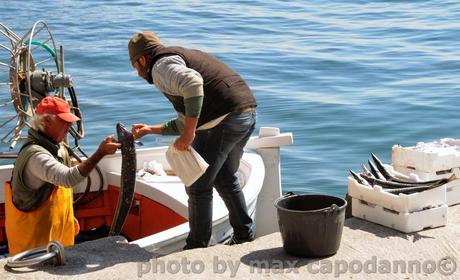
<point>412,189</point>
<point>375,171</point>
<point>358,178</point>
<point>379,165</point>
<point>365,170</point>
<point>397,185</point>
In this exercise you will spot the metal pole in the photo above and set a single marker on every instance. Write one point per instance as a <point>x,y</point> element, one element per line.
<point>61,51</point>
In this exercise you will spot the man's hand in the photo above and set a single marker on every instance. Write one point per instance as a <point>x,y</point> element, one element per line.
<point>184,141</point>
<point>139,130</point>
<point>108,146</point>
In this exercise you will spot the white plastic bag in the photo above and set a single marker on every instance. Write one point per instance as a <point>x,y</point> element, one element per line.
<point>188,165</point>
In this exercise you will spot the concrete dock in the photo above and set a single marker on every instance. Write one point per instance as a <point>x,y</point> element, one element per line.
<point>367,251</point>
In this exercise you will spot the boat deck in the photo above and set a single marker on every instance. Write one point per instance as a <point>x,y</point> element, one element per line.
<point>367,250</point>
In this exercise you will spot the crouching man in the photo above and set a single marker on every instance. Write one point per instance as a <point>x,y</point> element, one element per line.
<point>38,200</point>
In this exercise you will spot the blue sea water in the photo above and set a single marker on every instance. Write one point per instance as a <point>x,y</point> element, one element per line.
<point>347,78</point>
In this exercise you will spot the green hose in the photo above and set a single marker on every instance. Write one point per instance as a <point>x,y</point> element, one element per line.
<point>50,50</point>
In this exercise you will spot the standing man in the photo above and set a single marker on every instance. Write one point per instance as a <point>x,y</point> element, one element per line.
<point>38,200</point>
<point>216,116</point>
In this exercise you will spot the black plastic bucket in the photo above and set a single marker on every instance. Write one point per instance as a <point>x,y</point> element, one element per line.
<point>311,225</point>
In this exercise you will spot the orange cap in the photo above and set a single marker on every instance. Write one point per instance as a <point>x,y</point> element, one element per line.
<point>56,106</point>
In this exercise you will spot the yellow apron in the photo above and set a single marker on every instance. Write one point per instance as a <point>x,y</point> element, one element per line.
<point>53,220</point>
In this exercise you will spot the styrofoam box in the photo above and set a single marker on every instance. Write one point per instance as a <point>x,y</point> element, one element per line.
<point>397,202</point>
<point>405,222</point>
<point>452,188</point>
<point>428,157</point>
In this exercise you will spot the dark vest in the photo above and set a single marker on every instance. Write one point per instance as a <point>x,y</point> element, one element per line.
<point>25,198</point>
<point>224,90</point>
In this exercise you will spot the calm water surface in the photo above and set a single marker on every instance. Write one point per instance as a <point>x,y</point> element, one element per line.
<point>345,77</point>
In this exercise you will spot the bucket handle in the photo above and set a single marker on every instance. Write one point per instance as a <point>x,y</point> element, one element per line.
<point>288,194</point>
<point>332,209</point>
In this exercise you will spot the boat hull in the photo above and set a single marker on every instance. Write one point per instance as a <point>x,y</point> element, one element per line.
<point>157,220</point>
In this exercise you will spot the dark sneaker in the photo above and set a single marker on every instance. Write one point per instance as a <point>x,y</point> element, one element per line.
<point>234,241</point>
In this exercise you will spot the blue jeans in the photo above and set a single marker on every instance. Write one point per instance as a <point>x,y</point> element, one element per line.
<point>222,148</point>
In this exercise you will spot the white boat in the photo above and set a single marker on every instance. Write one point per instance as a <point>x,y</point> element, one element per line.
<point>157,219</point>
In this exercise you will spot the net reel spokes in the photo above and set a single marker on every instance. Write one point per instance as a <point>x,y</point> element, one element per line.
<point>34,69</point>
